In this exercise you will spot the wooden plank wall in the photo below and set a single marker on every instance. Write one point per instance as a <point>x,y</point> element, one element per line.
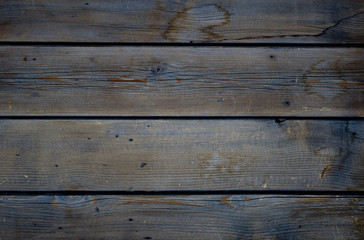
<point>193,119</point>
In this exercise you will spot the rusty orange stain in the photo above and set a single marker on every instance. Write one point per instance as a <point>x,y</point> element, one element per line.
<point>326,169</point>
<point>186,21</point>
<point>94,200</point>
<point>128,80</point>
<point>54,203</point>
<point>50,78</point>
<point>224,200</point>
<point>150,197</point>
<point>159,202</point>
<point>313,200</point>
<point>247,199</point>
<point>7,83</point>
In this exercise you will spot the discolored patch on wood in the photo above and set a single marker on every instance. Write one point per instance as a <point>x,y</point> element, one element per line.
<point>329,152</point>
<point>216,166</point>
<point>50,78</point>
<point>359,225</point>
<point>332,72</point>
<point>197,23</point>
<point>326,169</point>
<point>226,200</point>
<point>10,104</point>
<point>153,200</point>
<point>73,201</point>
<point>126,79</point>
<point>247,198</point>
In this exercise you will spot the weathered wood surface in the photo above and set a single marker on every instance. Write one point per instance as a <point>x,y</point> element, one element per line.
<point>163,155</point>
<point>275,21</point>
<point>180,81</point>
<point>182,217</point>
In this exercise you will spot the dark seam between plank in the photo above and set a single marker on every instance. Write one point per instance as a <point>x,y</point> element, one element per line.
<point>212,192</point>
<point>191,44</point>
<point>278,119</point>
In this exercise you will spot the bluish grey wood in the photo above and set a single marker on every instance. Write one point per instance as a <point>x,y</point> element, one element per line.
<point>237,21</point>
<point>181,81</point>
<point>171,155</point>
<point>181,217</point>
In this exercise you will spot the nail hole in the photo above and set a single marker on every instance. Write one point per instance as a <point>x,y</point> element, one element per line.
<point>130,140</point>
<point>97,209</point>
<point>279,120</point>
<point>143,165</point>
<point>117,135</point>
<point>287,103</point>
<point>89,138</point>
<point>157,70</point>
<point>130,219</point>
<point>271,56</point>
<point>56,165</point>
<point>60,228</point>
<point>34,59</point>
<point>17,154</point>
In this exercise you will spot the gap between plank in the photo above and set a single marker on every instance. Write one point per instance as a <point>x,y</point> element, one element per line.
<point>276,118</point>
<point>159,193</point>
<point>191,44</point>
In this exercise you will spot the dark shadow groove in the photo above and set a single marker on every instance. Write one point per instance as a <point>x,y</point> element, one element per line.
<point>180,193</point>
<point>191,44</point>
<point>275,118</point>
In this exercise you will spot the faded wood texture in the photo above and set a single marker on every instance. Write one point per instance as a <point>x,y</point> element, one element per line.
<point>182,217</point>
<point>242,21</point>
<point>164,155</point>
<point>180,81</point>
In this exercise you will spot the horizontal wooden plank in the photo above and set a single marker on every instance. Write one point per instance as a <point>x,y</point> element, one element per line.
<point>182,217</point>
<point>275,21</point>
<point>160,155</point>
<point>180,81</point>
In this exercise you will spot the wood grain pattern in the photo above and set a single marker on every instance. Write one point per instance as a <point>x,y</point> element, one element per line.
<point>182,217</point>
<point>163,155</point>
<point>180,81</point>
<point>71,177</point>
<point>275,21</point>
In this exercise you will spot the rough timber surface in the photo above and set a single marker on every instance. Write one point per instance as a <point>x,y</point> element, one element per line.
<point>182,217</point>
<point>172,155</point>
<point>165,21</point>
<point>181,81</point>
<point>182,119</point>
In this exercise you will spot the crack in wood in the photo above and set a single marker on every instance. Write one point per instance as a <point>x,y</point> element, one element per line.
<point>323,32</point>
